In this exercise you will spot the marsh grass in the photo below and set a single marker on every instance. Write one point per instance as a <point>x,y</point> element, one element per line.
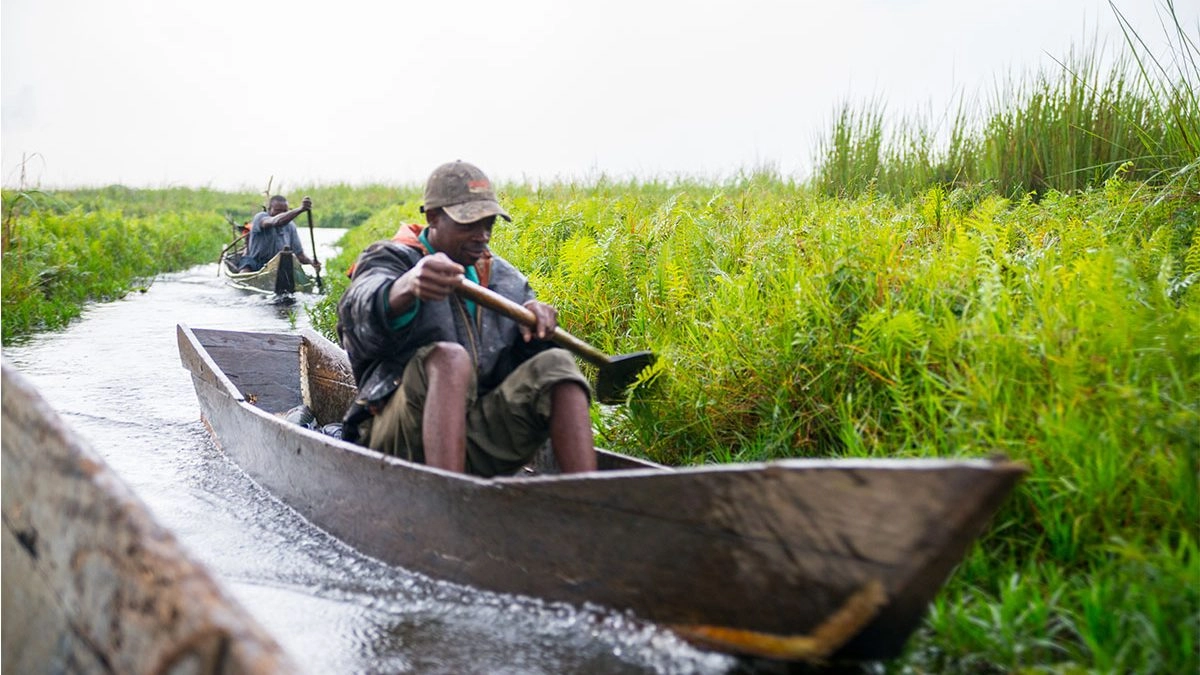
<point>335,205</point>
<point>1061,333</point>
<point>55,263</point>
<point>1066,127</point>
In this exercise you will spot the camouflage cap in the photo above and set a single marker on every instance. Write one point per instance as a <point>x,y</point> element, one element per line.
<point>463,192</point>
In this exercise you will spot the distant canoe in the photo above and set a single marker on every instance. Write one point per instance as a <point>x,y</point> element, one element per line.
<point>790,560</point>
<point>92,584</point>
<point>282,275</point>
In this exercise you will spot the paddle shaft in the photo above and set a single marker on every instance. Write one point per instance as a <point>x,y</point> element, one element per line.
<point>313,238</point>
<point>225,250</point>
<point>521,314</point>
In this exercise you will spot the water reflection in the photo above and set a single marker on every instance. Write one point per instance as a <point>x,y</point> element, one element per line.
<point>115,377</point>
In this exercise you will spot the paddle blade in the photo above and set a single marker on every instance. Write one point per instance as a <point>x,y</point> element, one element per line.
<point>615,377</point>
<point>285,277</point>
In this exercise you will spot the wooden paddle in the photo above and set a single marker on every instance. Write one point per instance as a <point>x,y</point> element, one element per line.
<point>313,238</point>
<point>615,373</point>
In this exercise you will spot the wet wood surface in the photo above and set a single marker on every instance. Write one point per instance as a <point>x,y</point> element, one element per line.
<point>91,583</point>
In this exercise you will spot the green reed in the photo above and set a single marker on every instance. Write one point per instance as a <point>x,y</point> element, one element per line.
<point>335,205</point>
<point>1065,128</point>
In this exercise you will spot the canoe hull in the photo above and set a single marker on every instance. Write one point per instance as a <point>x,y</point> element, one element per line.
<point>92,583</point>
<point>282,275</point>
<point>776,548</point>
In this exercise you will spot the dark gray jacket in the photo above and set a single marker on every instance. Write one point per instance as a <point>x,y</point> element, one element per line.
<point>378,353</point>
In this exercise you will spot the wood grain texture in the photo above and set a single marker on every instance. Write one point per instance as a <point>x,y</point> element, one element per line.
<point>91,583</point>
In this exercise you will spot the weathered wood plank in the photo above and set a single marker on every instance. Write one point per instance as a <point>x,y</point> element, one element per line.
<point>91,584</point>
<point>265,370</point>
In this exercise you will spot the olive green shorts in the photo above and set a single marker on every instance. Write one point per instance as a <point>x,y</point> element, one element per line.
<point>504,428</point>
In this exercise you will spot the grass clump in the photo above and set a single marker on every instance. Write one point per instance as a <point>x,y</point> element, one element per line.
<point>1064,333</point>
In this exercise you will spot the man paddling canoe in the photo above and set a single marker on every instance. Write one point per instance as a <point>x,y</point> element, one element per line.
<point>271,231</point>
<point>446,382</point>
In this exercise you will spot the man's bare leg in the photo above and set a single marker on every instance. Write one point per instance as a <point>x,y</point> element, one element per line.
<point>571,428</point>
<point>443,423</point>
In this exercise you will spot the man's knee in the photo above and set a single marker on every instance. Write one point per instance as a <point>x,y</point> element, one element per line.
<point>555,362</point>
<point>572,389</point>
<point>449,358</point>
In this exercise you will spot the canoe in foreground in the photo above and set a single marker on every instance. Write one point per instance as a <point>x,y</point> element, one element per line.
<point>795,559</point>
<point>282,274</point>
<point>92,584</point>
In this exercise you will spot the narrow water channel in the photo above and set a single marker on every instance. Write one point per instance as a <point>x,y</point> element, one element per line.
<point>115,377</point>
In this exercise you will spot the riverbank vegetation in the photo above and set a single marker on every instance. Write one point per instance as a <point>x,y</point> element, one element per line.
<point>1026,284</point>
<point>55,262</point>
<point>64,249</point>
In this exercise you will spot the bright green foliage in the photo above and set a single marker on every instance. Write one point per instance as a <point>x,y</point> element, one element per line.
<point>56,262</point>
<point>1065,334</point>
<point>348,206</point>
<point>65,248</point>
<point>335,205</point>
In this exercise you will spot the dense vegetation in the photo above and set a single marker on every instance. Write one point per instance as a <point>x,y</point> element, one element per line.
<point>54,262</point>
<point>64,249</point>
<point>1030,285</point>
<point>1028,289</point>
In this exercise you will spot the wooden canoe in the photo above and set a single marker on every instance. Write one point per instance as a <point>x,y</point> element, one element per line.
<point>92,583</point>
<point>794,560</point>
<point>282,275</point>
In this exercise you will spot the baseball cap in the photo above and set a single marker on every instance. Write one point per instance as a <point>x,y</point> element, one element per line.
<point>463,192</point>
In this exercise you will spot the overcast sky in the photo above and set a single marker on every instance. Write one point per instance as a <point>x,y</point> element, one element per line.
<point>226,93</point>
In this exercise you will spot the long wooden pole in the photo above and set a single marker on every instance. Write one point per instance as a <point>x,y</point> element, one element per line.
<point>313,238</point>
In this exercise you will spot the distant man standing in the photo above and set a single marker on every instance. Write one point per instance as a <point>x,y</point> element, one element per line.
<point>271,231</point>
<point>449,383</point>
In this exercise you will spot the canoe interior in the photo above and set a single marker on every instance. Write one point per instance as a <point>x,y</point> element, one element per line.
<point>277,372</point>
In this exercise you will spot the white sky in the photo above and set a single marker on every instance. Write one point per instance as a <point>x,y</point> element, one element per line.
<point>226,93</point>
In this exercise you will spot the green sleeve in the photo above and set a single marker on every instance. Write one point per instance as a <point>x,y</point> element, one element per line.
<point>407,317</point>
